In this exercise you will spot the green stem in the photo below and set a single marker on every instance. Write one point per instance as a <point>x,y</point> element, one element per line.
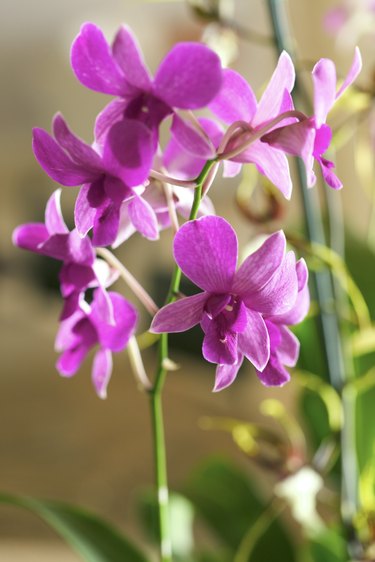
<point>155,394</point>
<point>255,532</point>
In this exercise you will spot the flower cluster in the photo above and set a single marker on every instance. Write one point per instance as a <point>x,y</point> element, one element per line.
<point>129,182</point>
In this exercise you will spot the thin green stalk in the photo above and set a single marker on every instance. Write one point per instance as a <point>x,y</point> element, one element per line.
<point>325,295</point>
<point>155,394</point>
<point>256,531</point>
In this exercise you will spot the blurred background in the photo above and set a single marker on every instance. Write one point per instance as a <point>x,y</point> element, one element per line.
<point>57,439</point>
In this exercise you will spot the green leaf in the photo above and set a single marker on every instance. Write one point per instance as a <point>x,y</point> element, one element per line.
<point>329,546</point>
<point>224,496</point>
<point>91,537</point>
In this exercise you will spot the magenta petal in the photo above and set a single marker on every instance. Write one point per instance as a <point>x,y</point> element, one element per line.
<point>126,227</point>
<point>226,374</point>
<point>191,139</point>
<point>280,293</point>
<point>56,163</point>
<point>301,307</point>
<point>93,63</point>
<point>178,81</point>
<point>128,151</point>
<point>180,163</point>
<point>235,101</point>
<point>80,249</point>
<point>180,315</point>
<point>324,78</point>
<point>70,360</point>
<point>128,56</point>
<point>78,150</point>
<point>231,169</point>
<point>84,213</point>
<point>218,347</point>
<point>143,218</point>
<point>112,113</point>
<point>101,372</point>
<point>258,268</point>
<point>329,176</point>
<point>270,162</point>
<point>274,374</point>
<point>354,70</point>
<point>115,337</point>
<point>288,348</point>
<point>273,97</point>
<point>254,342</point>
<point>206,251</point>
<point>30,236</point>
<point>297,139</point>
<point>53,217</point>
<point>66,336</point>
<point>106,224</point>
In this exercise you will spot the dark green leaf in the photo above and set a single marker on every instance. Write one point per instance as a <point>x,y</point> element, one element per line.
<point>329,546</point>
<point>224,496</point>
<point>91,537</point>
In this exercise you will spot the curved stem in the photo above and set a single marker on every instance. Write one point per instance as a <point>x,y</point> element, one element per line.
<point>256,134</point>
<point>155,394</point>
<point>255,532</point>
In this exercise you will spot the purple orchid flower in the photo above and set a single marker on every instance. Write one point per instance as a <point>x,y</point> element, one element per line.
<point>233,304</point>
<point>80,269</point>
<point>189,77</point>
<point>89,326</point>
<point>108,179</point>
<point>236,102</point>
<point>295,138</point>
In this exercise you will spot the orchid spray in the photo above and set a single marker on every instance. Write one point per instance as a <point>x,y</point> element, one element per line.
<point>133,183</point>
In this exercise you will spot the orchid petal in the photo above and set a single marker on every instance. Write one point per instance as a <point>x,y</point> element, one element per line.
<point>254,342</point>
<point>111,114</point>
<point>274,374</point>
<point>231,169</point>
<point>180,315</point>
<point>30,236</point>
<point>143,217</point>
<point>115,337</point>
<point>235,101</point>
<point>94,64</point>
<point>128,151</point>
<point>218,347</point>
<point>84,213</point>
<point>288,349</point>
<point>178,81</point>
<point>128,56</point>
<point>270,162</point>
<point>324,79</point>
<point>206,251</point>
<point>106,225</point>
<point>56,163</point>
<point>297,139</point>
<point>273,97</point>
<point>226,374</point>
<point>258,267</point>
<point>191,140</point>
<point>53,217</point>
<point>279,294</point>
<point>80,152</point>
<point>101,372</point>
<point>354,70</point>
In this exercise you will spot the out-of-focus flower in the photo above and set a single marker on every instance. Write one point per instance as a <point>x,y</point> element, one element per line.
<point>109,321</point>
<point>349,20</point>
<point>233,304</point>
